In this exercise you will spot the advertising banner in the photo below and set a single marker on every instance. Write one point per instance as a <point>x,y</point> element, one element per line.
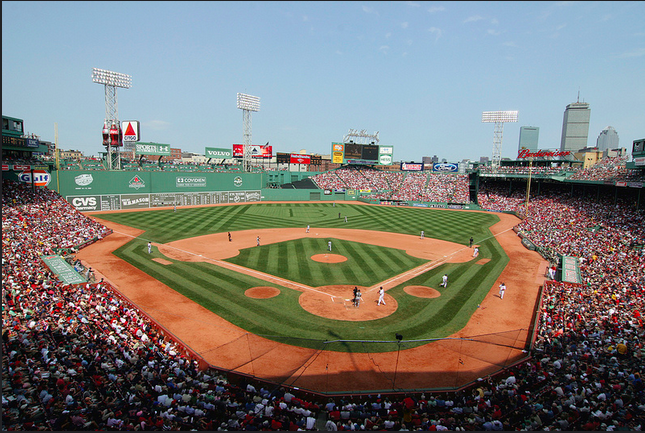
<point>300,159</point>
<point>255,150</point>
<point>446,167</point>
<point>411,166</point>
<point>215,152</point>
<point>130,130</point>
<point>152,149</point>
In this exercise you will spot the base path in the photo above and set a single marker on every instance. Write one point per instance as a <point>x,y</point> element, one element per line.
<point>446,363</point>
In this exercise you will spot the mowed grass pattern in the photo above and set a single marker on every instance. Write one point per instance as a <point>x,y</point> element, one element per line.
<point>281,318</point>
<point>366,264</point>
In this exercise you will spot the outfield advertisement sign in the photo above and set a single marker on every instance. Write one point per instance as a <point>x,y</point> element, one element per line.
<point>216,152</point>
<point>190,181</point>
<point>445,167</point>
<point>152,149</point>
<point>93,203</point>
<point>411,166</point>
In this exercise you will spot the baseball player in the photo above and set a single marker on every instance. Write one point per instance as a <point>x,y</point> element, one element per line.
<point>476,252</point>
<point>502,289</point>
<point>258,241</point>
<point>471,242</point>
<point>381,296</point>
<point>329,245</point>
<point>444,281</point>
<point>423,234</point>
<point>345,219</point>
<point>149,247</point>
<point>307,229</point>
<point>357,299</point>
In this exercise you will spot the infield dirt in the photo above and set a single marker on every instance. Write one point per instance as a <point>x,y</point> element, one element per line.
<point>441,364</point>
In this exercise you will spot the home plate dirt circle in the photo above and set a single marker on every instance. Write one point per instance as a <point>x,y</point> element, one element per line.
<point>335,302</point>
<point>328,258</point>
<point>262,292</point>
<point>422,291</point>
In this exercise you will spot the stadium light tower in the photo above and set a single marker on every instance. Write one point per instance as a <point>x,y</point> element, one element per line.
<point>498,118</point>
<point>247,103</point>
<point>112,139</point>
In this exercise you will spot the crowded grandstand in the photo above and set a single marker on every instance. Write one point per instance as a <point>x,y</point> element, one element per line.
<point>82,357</point>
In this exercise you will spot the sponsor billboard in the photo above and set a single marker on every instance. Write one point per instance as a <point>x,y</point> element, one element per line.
<point>446,167</point>
<point>256,151</point>
<point>190,181</point>
<point>215,152</point>
<point>39,178</point>
<point>300,159</point>
<point>411,166</point>
<point>152,149</point>
<point>130,130</point>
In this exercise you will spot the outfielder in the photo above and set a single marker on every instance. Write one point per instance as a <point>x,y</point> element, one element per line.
<point>444,281</point>
<point>149,247</point>
<point>329,245</point>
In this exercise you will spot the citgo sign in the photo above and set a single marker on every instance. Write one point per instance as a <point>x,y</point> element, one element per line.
<point>41,177</point>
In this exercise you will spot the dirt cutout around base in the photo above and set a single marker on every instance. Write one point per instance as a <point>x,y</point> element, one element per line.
<point>262,292</point>
<point>422,291</point>
<point>328,258</point>
<point>162,261</point>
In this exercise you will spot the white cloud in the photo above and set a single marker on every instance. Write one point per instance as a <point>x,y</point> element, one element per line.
<point>404,25</point>
<point>413,4</point>
<point>493,32</point>
<point>369,10</point>
<point>494,21</point>
<point>434,9</point>
<point>388,35</point>
<point>510,44</point>
<point>340,53</point>
<point>473,19</point>
<point>435,31</point>
<point>305,18</point>
<point>638,52</point>
<point>156,125</point>
<point>384,48</point>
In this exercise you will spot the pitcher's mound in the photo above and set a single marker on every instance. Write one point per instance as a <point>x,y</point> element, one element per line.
<point>422,291</point>
<point>328,258</point>
<point>262,292</point>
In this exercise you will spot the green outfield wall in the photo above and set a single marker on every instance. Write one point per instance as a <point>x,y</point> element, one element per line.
<point>90,190</point>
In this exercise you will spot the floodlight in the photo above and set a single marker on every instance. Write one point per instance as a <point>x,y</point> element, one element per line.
<point>499,116</point>
<point>110,78</point>
<point>248,102</point>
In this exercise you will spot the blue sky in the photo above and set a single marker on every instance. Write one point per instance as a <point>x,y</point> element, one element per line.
<point>420,73</point>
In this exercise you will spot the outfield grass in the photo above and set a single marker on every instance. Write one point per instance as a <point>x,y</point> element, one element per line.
<point>281,317</point>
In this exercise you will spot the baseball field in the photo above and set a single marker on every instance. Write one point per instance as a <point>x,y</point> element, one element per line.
<point>272,301</point>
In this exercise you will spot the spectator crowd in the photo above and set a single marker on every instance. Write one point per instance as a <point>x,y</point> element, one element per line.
<point>81,357</point>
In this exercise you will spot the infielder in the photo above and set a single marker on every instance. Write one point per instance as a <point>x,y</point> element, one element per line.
<point>476,252</point>
<point>381,295</point>
<point>423,234</point>
<point>502,289</point>
<point>149,247</point>
<point>444,281</point>
<point>258,240</point>
<point>307,229</point>
<point>329,245</point>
